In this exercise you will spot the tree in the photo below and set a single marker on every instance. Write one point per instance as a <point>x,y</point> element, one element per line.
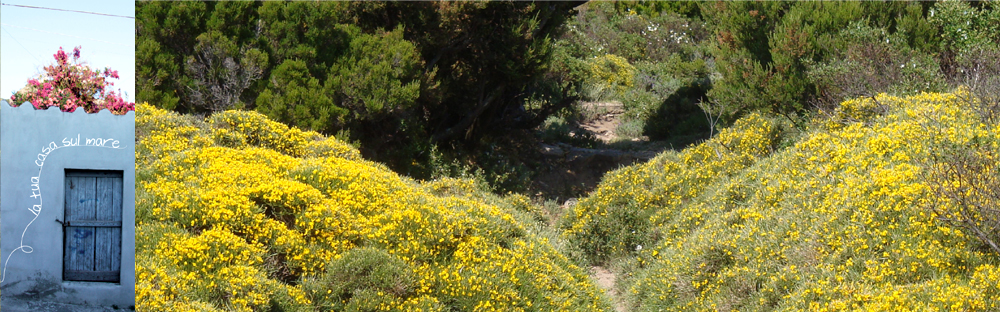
<point>487,57</point>
<point>296,98</point>
<point>71,85</point>
<point>378,76</point>
<point>870,61</point>
<point>765,49</point>
<point>165,36</point>
<point>398,76</point>
<point>221,71</point>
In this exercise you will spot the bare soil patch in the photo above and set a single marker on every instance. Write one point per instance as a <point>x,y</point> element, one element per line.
<point>572,171</point>
<point>602,119</point>
<point>606,280</point>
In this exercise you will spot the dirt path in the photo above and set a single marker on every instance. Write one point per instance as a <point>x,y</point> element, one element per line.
<point>573,171</point>
<point>606,281</point>
<point>603,120</point>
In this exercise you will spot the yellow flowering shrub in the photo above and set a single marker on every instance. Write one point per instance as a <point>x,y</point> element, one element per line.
<point>239,213</point>
<point>838,221</point>
<point>611,71</point>
<point>240,128</point>
<point>620,214</point>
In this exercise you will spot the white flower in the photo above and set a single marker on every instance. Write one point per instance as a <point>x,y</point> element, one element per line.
<point>638,247</point>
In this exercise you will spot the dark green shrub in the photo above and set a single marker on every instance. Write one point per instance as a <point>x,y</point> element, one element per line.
<point>360,280</point>
<point>296,98</point>
<point>780,57</point>
<point>873,61</point>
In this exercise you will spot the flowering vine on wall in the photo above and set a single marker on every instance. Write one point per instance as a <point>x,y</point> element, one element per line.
<point>69,85</point>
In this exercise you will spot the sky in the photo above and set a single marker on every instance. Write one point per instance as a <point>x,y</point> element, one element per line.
<point>29,37</point>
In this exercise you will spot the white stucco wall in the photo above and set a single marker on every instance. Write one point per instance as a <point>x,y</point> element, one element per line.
<point>36,147</point>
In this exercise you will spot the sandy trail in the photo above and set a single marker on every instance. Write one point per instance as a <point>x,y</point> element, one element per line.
<point>606,281</point>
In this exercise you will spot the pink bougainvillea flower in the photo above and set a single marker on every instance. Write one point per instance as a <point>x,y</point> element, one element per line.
<point>73,85</point>
<point>60,56</point>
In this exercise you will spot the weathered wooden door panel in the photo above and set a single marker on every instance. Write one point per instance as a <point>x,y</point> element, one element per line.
<point>80,201</point>
<point>80,205</point>
<point>79,253</point>
<point>108,242</point>
<point>108,239</point>
<point>93,226</point>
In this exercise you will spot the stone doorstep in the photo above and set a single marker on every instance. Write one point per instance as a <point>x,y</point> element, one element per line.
<point>21,305</point>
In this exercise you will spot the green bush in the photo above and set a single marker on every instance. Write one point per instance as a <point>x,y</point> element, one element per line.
<point>557,129</point>
<point>631,129</point>
<point>361,280</point>
<point>660,51</point>
<point>766,50</point>
<point>871,61</point>
<point>297,99</point>
<point>623,213</point>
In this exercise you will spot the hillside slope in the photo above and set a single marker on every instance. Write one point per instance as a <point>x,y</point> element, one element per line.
<point>838,217</point>
<point>240,213</point>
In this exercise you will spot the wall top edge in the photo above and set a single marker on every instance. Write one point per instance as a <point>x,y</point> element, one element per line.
<point>26,106</point>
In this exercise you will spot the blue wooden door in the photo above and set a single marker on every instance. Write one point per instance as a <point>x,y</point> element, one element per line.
<point>93,226</point>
